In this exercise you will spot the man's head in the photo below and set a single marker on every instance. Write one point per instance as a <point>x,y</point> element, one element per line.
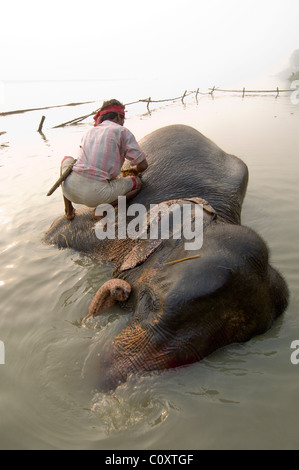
<point>112,110</point>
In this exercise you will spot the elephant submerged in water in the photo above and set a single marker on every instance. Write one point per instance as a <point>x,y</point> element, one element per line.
<point>187,303</point>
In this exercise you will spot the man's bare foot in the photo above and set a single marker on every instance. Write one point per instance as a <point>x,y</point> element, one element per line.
<point>98,217</point>
<point>70,215</point>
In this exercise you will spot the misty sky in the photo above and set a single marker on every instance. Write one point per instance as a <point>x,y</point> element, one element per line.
<point>156,39</point>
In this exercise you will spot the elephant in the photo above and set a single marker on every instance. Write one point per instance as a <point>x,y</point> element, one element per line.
<point>185,303</point>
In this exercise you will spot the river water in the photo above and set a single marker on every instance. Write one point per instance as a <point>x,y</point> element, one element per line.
<point>244,396</point>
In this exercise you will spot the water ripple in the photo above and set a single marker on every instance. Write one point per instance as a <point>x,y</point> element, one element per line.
<point>127,409</point>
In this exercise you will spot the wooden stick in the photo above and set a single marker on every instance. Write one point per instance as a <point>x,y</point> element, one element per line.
<point>182,259</point>
<point>184,96</point>
<point>74,121</point>
<point>41,124</point>
<point>66,172</point>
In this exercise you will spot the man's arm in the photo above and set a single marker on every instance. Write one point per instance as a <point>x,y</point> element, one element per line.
<point>133,152</point>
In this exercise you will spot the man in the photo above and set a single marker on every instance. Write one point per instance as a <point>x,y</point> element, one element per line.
<point>96,178</point>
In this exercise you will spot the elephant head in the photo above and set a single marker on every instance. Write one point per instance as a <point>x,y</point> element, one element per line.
<point>186,308</point>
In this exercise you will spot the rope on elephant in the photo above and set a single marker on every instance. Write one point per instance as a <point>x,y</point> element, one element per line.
<point>181,98</point>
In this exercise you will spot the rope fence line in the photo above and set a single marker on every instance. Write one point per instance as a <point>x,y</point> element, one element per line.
<point>21,111</point>
<point>244,91</point>
<point>181,98</point>
<point>144,100</point>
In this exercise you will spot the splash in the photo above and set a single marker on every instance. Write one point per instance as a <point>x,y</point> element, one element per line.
<point>130,408</point>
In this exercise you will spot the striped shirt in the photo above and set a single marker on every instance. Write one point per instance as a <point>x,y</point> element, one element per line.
<point>103,150</point>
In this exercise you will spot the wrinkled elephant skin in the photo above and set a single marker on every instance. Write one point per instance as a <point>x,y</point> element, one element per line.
<point>186,304</point>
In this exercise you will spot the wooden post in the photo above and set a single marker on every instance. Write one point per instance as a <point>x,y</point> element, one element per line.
<point>184,96</point>
<point>148,103</point>
<point>41,124</point>
<point>243,92</point>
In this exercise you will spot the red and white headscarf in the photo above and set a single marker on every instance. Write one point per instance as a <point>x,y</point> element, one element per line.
<point>109,109</point>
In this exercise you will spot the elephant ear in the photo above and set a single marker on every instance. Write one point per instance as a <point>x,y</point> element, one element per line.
<point>206,206</point>
<point>139,254</point>
<point>145,247</point>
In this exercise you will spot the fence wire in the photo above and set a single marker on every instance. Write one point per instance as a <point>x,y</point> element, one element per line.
<point>181,98</point>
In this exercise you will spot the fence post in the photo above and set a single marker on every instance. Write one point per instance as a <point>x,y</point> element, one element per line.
<point>41,124</point>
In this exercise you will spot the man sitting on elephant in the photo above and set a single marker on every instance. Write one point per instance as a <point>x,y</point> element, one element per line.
<point>95,178</point>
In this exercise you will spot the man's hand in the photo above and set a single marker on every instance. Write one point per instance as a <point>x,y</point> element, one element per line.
<point>136,170</point>
<point>142,166</point>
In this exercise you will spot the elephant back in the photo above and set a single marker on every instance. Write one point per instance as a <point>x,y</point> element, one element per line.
<point>184,163</point>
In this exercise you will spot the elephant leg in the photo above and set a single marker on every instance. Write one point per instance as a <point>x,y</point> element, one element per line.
<point>110,292</point>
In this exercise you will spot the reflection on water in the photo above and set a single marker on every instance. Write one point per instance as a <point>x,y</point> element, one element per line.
<point>45,292</point>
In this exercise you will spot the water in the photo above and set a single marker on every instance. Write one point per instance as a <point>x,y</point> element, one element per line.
<point>243,396</point>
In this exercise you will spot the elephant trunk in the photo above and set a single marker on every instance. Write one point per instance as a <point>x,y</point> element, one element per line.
<point>110,292</point>
<point>139,348</point>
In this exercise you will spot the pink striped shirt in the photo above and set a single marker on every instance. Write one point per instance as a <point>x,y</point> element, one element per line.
<point>103,150</point>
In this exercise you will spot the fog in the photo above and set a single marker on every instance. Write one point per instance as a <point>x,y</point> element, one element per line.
<point>213,42</point>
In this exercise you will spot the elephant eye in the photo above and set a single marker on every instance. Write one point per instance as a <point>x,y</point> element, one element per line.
<point>148,301</point>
